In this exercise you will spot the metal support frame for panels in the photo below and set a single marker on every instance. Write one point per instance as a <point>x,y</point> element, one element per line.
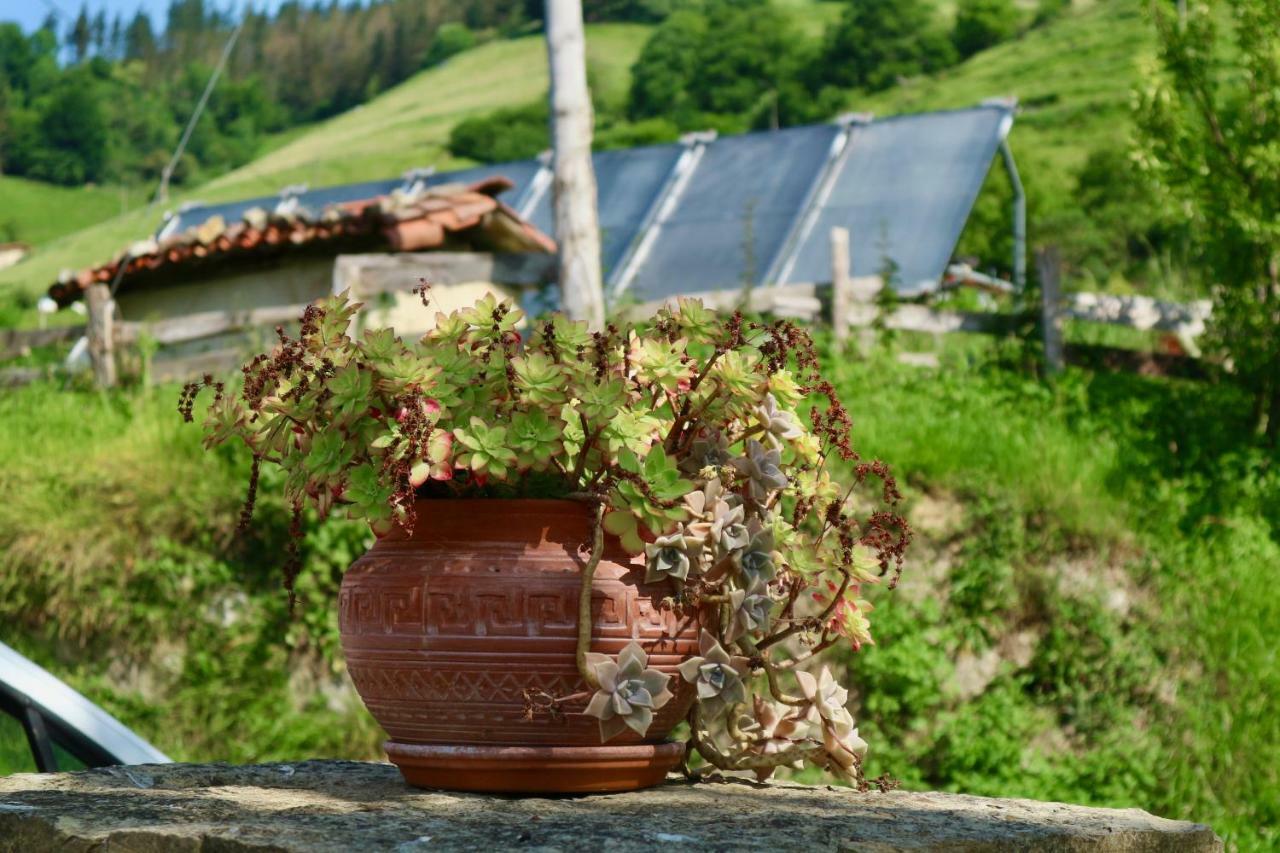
<point>660,210</point>
<point>1019,195</point>
<point>415,180</point>
<point>785,261</point>
<point>537,188</point>
<point>1019,217</point>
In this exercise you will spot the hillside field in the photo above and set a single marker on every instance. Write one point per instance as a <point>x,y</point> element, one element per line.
<point>37,213</point>
<point>1073,77</point>
<point>403,128</point>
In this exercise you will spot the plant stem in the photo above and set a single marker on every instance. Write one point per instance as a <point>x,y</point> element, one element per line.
<point>584,598</point>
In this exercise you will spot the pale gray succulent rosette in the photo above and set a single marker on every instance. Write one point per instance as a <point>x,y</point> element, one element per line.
<point>733,562</point>
<point>751,611</point>
<point>667,558</point>
<point>629,691</point>
<point>755,559</point>
<point>762,469</point>
<point>778,423</point>
<point>716,675</point>
<point>708,451</point>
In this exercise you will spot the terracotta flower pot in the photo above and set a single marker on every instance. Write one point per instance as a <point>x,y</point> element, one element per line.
<point>444,630</point>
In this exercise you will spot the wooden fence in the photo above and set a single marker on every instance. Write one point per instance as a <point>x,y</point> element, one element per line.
<point>848,302</point>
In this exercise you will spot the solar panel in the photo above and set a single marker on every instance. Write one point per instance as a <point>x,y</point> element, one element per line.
<point>904,192</point>
<point>734,214</point>
<point>759,205</point>
<point>519,172</point>
<point>627,182</point>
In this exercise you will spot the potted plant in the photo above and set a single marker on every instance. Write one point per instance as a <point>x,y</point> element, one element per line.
<point>584,539</point>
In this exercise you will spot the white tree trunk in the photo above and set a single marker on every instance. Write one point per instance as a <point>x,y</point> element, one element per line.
<point>574,187</point>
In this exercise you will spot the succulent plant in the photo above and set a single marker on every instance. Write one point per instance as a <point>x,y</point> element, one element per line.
<point>716,674</point>
<point>629,691</point>
<point>708,450</point>
<point>667,557</point>
<point>679,435</point>
<point>763,469</point>
<point>752,610</point>
<point>778,424</point>
<point>754,560</point>
<point>844,748</point>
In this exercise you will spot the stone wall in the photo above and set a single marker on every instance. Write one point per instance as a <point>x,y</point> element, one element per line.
<point>355,806</point>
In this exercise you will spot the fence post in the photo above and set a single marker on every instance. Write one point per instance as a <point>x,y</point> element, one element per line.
<point>841,286</point>
<point>98,299</point>
<point>1049,265</point>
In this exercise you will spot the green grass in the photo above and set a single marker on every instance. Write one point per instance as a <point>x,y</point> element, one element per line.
<point>1128,528</point>
<point>36,213</point>
<point>405,127</point>
<point>1123,530</point>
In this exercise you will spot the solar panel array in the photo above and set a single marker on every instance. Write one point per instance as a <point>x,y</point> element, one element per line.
<point>757,208</point>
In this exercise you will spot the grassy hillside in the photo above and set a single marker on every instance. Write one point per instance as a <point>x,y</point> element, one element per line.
<point>405,127</point>
<point>1084,617</point>
<point>1073,78</point>
<point>36,213</point>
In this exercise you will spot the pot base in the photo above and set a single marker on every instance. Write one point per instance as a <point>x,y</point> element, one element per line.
<point>535,769</point>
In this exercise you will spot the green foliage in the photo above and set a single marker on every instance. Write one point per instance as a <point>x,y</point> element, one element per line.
<point>981,24</point>
<point>1209,132</point>
<point>1110,607</point>
<point>877,42</point>
<point>451,39</point>
<point>723,59</point>
<point>643,11</point>
<point>1112,539</point>
<point>511,133</point>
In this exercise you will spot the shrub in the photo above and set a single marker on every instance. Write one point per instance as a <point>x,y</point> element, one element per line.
<point>511,133</point>
<point>450,39</point>
<point>876,42</point>
<point>981,24</point>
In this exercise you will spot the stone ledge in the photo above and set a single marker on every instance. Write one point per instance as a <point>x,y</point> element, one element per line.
<point>349,805</point>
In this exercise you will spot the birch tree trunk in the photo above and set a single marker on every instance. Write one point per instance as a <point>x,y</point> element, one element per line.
<point>574,185</point>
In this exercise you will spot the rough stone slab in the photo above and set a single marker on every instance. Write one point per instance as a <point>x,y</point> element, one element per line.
<point>349,805</point>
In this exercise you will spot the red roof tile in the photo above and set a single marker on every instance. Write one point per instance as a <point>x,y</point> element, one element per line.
<point>470,215</point>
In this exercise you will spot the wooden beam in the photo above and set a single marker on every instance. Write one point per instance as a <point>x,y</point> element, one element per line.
<point>369,275</point>
<point>206,324</point>
<point>101,342</point>
<point>13,377</point>
<point>16,342</point>
<point>1098,357</point>
<point>799,301</point>
<point>1050,267</point>
<point>918,318</point>
<point>841,286</point>
<point>188,367</point>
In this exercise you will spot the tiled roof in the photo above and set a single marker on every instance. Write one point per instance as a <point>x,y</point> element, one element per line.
<point>468,216</point>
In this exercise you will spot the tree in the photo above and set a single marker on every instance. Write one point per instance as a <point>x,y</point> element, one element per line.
<point>80,35</point>
<point>98,33</point>
<point>574,181</point>
<point>1209,126</point>
<point>876,42</point>
<point>662,77</point>
<point>73,133</point>
<point>981,24</point>
<point>140,38</point>
<point>730,58</point>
